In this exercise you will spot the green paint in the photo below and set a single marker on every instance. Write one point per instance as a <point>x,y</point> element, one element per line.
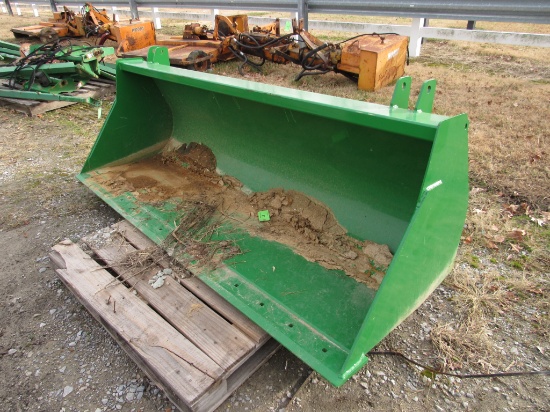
<point>263,216</point>
<point>21,94</point>
<point>389,175</point>
<point>425,100</point>
<point>401,93</point>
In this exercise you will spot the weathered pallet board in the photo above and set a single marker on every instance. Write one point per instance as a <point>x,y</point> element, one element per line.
<point>199,289</point>
<point>95,89</point>
<point>195,346</point>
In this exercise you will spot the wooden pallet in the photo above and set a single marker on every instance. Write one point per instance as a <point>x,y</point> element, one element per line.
<point>184,336</point>
<point>95,89</point>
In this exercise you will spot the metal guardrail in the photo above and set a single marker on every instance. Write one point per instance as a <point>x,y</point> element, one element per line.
<point>526,11</point>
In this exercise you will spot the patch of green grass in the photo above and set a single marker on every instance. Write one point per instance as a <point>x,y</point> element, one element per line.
<point>516,264</point>
<point>61,173</point>
<point>474,261</point>
<point>522,218</point>
<point>333,38</point>
<point>257,13</point>
<point>520,294</point>
<point>545,234</point>
<point>436,64</point>
<point>428,374</point>
<point>527,248</point>
<point>34,183</point>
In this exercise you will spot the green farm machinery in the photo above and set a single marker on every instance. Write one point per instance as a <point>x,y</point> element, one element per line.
<point>352,211</point>
<point>51,71</point>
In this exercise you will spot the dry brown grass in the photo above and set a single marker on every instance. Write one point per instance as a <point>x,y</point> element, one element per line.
<point>481,297</point>
<point>194,243</point>
<point>464,343</point>
<point>513,230</point>
<point>485,292</point>
<point>7,22</point>
<point>502,269</point>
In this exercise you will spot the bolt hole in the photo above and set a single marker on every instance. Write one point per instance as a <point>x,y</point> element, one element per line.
<point>325,350</point>
<point>403,85</point>
<point>290,325</point>
<point>236,285</point>
<point>429,89</point>
<point>261,303</point>
<point>466,126</point>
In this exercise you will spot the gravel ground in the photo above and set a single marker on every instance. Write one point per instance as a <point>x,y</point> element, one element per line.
<point>55,357</point>
<point>58,358</point>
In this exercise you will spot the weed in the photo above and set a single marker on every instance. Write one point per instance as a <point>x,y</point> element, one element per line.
<point>474,262</point>
<point>516,264</point>
<point>428,374</point>
<point>467,337</point>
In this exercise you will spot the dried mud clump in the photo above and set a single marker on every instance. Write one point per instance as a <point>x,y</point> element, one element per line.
<point>199,157</point>
<point>311,229</point>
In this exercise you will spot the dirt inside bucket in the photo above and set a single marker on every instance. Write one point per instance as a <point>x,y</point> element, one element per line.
<point>298,221</point>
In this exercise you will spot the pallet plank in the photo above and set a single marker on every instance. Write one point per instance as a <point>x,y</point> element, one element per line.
<point>200,289</point>
<point>209,295</point>
<point>172,359</point>
<point>220,340</point>
<point>216,395</point>
<point>135,326</point>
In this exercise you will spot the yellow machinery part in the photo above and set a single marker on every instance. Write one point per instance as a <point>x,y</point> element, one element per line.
<point>228,25</point>
<point>377,59</point>
<point>133,36</point>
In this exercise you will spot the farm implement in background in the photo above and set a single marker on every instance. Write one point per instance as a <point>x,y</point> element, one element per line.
<point>372,60</point>
<point>50,72</point>
<point>199,47</point>
<point>91,22</point>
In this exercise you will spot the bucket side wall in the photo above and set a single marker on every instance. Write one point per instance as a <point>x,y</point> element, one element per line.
<point>429,246</point>
<point>138,125</point>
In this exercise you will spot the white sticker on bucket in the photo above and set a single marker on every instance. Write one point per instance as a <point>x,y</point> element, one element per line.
<point>434,185</point>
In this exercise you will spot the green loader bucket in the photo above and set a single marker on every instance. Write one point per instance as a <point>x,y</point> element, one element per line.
<point>352,211</point>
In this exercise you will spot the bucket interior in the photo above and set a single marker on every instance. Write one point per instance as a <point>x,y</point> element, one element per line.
<point>365,168</point>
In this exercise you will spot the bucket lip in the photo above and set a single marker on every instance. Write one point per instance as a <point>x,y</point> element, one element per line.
<point>277,95</point>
